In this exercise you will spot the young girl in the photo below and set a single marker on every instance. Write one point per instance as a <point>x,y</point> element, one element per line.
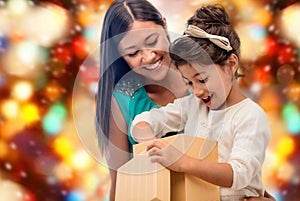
<point>208,59</point>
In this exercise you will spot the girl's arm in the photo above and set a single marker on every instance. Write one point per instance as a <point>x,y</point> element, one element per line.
<point>220,174</point>
<point>118,149</point>
<point>159,121</point>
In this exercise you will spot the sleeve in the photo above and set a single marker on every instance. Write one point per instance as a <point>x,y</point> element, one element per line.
<point>171,117</point>
<point>251,137</point>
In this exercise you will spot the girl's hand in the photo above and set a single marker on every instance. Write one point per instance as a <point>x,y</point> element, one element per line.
<point>167,155</point>
<point>258,199</point>
<point>267,197</point>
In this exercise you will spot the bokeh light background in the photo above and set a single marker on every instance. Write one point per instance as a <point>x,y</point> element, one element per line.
<point>47,89</point>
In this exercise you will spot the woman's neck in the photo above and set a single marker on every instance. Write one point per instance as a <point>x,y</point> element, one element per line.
<point>165,91</point>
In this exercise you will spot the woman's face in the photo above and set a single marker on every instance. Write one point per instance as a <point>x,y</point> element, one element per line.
<point>145,48</point>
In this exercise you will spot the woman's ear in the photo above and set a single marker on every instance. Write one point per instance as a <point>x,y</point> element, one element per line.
<point>165,22</point>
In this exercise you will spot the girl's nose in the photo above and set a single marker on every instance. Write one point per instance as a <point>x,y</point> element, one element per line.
<point>148,56</point>
<point>199,90</point>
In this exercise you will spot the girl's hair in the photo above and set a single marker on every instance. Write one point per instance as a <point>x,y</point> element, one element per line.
<point>214,20</point>
<point>118,20</point>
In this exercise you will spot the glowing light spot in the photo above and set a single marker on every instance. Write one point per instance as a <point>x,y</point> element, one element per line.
<point>8,166</point>
<point>17,7</point>
<point>51,23</point>
<point>22,90</point>
<point>291,117</point>
<point>54,119</point>
<point>257,32</point>
<point>289,23</point>
<point>3,149</point>
<point>30,113</point>
<point>75,196</point>
<point>63,147</point>
<point>286,172</point>
<point>10,109</point>
<point>63,172</point>
<point>84,158</point>
<point>285,147</point>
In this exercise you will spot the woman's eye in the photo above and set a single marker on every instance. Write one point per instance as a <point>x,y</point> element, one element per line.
<point>133,53</point>
<point>152,43</point>
<point>152,40</point>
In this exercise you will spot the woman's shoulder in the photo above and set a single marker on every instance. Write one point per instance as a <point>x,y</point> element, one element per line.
<point>128,86</point>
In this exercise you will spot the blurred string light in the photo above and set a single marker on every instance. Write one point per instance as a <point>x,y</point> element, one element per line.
<point>291,116</point>
<point>63,147</point>
<point>4,43</point>
<point>84,158</point>
<point>30,113</point>
<point>75,196</point>
<point>252,40</point>
<point>51,23</point>
<point>10,108</point>
<point>54,119</point>
<point>285,74</point>
<point>18,7</point>
<point>24,59</point>
<point>289,23</point>
<point>22,90</point>
<point>11,191</point>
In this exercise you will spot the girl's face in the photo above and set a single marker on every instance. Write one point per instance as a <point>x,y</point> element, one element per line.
<point>145,48</point>
<point>210,83</point>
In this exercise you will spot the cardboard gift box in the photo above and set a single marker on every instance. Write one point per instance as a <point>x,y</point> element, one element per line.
<point>139,179</point>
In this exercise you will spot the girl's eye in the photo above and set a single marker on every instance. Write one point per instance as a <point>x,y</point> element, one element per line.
<point>133,53</point>
<point>189,83</point>
<point>203,81</point>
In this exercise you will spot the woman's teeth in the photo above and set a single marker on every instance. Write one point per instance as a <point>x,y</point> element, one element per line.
<point>153,66</point>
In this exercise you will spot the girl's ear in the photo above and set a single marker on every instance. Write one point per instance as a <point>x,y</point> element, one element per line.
<point>233,63</point>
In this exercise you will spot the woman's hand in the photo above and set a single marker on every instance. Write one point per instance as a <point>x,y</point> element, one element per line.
<point>167,155</point>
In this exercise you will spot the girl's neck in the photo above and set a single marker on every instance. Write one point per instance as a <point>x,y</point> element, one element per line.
<point>236,95</point>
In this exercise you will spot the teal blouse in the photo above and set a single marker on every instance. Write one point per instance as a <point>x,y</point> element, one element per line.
<point>133,100</point>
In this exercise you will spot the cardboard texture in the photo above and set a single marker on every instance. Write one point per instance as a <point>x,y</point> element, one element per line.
<point>158,183</point>
<point>141,180</point>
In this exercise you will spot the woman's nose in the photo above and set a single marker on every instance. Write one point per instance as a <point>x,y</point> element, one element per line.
<point>148,56</point>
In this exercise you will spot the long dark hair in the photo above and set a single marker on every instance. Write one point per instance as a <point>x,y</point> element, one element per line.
<point>117,21</point>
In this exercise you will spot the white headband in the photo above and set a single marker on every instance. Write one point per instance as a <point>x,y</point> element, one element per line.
<point>220,41</point>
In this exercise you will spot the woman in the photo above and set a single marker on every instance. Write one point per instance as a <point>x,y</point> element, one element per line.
<point>135,76</point>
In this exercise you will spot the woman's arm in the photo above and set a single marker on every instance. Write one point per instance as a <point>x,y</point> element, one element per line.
<point>118,148</point>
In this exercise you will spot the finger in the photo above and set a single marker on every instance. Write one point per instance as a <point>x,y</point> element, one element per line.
<point>155,159</point>
<point>153,151</point>
<point>156,143</point>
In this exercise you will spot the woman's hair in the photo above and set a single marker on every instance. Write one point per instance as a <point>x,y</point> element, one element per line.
<point>117,21</point>
<point>213,20</point>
